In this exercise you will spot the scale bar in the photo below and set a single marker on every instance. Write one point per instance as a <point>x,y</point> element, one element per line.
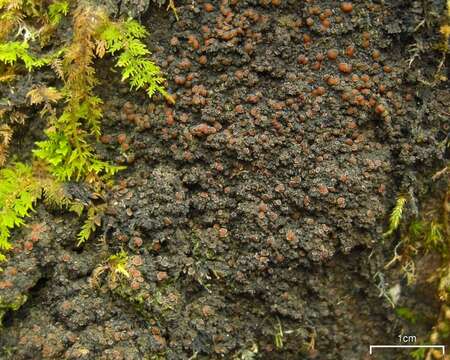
<point>371,347</point>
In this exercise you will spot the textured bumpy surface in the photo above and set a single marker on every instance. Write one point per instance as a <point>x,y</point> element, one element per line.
<point>132,8</point>
<point>253,209</point>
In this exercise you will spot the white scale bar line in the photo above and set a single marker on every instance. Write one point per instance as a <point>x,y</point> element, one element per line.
<point>371,347</point>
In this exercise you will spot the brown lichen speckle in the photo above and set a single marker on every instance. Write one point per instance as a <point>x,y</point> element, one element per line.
<point>346,7</point>
<point>223,232</point>
<point>208,7</point>
<point>161,275</point>
<point>332,54</point>
<point>345,68</point>
<point>290,236</point>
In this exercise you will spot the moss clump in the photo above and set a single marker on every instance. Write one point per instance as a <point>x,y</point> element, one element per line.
<point>11,305</point>
<point>73,112</point>
<point>429,233</point>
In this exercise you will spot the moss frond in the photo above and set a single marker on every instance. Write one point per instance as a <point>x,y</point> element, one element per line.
<point>434,237</point>
<point>416,229</point>
<point>137,68</point>
<point>13,51</point>
<point>69,148</point>
<point>93,220</point>
<point>21,186</point>
<point>19,190</point>
<point>55,195</point>
<point>44,94</point>
<point>118,263</point>
<point>396,215</point>
<point>5,138</point>
<point>57,10</point>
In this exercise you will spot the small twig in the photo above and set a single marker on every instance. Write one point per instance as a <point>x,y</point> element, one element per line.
<point>440,173</point>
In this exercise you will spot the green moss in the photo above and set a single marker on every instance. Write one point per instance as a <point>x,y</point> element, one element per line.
<point>74,127</point>
<point>396,215</point>
<point>407,314</point>
<point>428,233</point>
<point>11,305</point>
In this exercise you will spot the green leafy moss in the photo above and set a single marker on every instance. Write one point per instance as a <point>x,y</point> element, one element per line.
<point>93,220</point>
<point>19,190</point>
<point>68,151</point>
<point>137,68</point>
<point>396,215</point>
<point>21,186</point>
<point>407,314</point>
<point>57,10</point>
<point>13,51</point>
<point>13,305</point>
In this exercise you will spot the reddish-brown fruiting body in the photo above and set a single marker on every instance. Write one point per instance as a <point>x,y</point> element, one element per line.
<point>347,7</point>
<point>345,68</point>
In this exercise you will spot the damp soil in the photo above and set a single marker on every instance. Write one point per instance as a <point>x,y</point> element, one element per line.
<point>253,209</point>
